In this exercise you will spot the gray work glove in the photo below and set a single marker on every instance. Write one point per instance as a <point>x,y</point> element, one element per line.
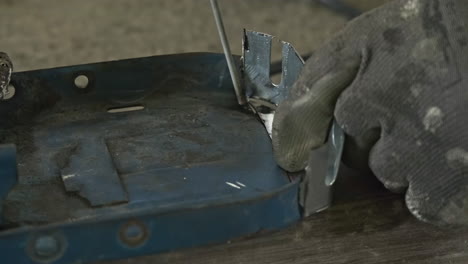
<point>6,68</point>
<point>396,80</point>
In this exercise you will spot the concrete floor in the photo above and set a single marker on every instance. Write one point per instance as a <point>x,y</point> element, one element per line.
<point>49,33</point>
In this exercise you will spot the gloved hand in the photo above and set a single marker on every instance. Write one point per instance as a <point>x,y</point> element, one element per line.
<point>396,80</point>
<point>6,68</point>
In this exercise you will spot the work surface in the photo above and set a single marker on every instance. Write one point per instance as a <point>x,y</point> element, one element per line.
<point>366,223</point>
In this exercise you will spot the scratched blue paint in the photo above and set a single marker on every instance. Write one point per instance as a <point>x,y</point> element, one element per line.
<point>183,205</point>
<point>174,229</point>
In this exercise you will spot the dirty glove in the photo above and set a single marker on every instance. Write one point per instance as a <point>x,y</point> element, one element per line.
<point>6,68</point>
<point>396,80</point>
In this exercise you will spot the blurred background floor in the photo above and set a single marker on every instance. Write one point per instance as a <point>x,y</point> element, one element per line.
<point>49,33</point>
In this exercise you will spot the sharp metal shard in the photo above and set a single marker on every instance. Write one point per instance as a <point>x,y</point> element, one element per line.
<point>316,188</point>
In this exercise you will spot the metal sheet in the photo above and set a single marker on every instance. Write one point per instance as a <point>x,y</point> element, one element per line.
<point>316,192</point>
<point>256,63</point>
<point>195,166</point>
<point>91,173</point>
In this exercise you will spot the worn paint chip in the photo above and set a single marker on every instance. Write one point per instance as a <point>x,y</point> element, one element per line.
<point>233,185</point>
<point>240,184</point>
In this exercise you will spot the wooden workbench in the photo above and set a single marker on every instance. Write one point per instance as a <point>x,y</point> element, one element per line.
<point>367,224</point>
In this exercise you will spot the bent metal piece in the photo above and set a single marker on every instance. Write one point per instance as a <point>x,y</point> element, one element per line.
<point>264,96</point>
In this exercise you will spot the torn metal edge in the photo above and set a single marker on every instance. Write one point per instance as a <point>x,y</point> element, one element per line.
<point>263,96</point>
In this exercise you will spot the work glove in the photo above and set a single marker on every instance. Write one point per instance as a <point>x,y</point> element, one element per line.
<point>6,68</point>
<point>396,80</point>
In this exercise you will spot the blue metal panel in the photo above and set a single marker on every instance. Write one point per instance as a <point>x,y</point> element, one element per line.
<point>7,172</point>
<point>180,228</point>
<point>195,169</point>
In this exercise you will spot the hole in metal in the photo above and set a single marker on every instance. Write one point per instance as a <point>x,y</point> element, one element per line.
<point>125,109</point>
<point>276,56</point>
<point>133,233</point>
<point>81,81</point>
<point>46,248</point>
<point>11,92</point>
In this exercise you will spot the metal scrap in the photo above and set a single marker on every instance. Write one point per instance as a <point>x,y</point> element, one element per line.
<point>316,187</point>
<point>91,173</point>
<point>263,95</point>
